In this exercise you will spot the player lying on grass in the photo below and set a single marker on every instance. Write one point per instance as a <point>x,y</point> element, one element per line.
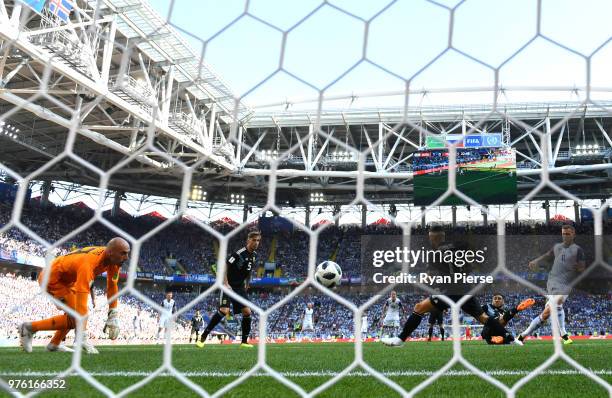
<point>568,262</point>
<point>437,239</point>
<point>237,277</point>
<point>70,280</point>
<point>496,310</point>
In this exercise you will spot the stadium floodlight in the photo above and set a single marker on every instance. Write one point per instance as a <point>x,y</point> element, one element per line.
<point>237,199</point>
<point>269,154</point>
<point>340,156</point>
<point>197,193</point>
<point>317,197</point>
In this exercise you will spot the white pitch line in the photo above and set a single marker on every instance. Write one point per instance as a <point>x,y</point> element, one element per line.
<point>452,373</point>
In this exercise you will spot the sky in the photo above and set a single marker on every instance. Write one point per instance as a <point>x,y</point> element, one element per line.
<point>406,40</point>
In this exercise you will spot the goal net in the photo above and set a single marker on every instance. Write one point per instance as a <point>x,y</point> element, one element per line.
<point>337,130</point>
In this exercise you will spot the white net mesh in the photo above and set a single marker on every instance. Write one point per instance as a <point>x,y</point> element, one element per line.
<point>179,120</point>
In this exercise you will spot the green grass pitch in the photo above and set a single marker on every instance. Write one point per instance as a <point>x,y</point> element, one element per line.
<point>484,186</point>
<point>310,365</point>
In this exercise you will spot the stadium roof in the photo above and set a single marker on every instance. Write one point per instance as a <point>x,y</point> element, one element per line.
<point>164,45</point>
<point>519,111</point>
<point>156,141</point>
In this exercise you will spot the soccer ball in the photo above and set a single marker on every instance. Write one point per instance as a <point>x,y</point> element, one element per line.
<point>328,274</point>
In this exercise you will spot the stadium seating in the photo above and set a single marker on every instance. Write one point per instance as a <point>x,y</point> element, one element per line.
<point>195,251</point>
<point>20,299</point>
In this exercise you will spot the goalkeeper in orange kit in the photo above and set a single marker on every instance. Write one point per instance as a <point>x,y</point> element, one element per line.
<point>70,280</point>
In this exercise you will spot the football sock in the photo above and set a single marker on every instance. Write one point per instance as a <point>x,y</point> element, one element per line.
<point>508,315</point>
<point>214,321</point>
<point>561,314</point>
<point>430,331</point>
<point>246,328</point>
<point>533,326</point>
<point>412,323</point>
<point>58,322</point>
<point>59,336</point>
<point>442,332</point>
<point>508,338</point>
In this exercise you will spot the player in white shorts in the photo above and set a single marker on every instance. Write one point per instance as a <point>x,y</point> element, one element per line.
<point>137,324</point>
<point>364,326</point>
<point>169,307</point>
<point>307,319</point>
<point>569,262</point>
<point>391,314</point>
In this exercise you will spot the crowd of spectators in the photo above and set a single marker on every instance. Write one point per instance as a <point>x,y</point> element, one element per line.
<point>185,247</point>
<point>439,158</point>
<point>21,300</point>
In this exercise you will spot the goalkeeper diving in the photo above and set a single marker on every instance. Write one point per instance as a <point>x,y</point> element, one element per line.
<point>70,280</point>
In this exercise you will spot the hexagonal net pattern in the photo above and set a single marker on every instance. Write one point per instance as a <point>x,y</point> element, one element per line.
<point>185,133</point>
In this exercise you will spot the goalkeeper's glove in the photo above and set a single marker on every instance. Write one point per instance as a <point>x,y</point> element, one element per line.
<point>111,327</point>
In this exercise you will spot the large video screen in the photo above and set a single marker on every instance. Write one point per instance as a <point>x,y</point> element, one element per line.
<point>487,175</point>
